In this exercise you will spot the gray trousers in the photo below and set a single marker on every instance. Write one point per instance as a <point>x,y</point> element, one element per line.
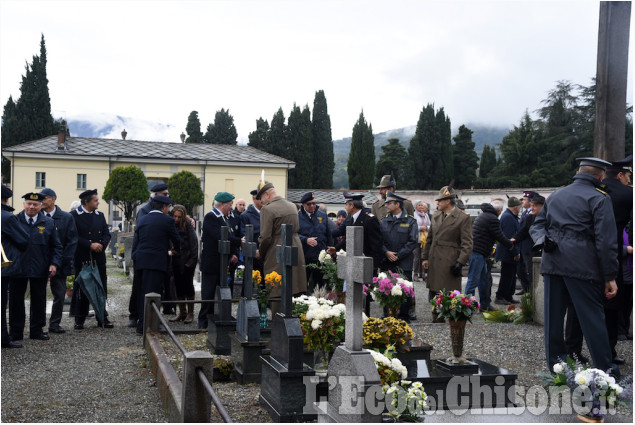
<point>58,289</point>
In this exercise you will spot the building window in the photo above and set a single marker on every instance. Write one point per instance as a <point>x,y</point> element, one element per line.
<point>40,180</point>
<point>81,181</point>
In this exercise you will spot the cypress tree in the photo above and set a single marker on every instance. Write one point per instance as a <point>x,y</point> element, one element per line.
<point>488,161</point>
<point>465,159</point>
<point>324,165</point>
<point>222,131</point>
<point>277,141</point>
<point>193,129</point>
<point>258,138</point>
<point>445,170</point>
<point>361,161</point>
<point>423,154</point>
<point>300,145</point>
<point>393,159</point>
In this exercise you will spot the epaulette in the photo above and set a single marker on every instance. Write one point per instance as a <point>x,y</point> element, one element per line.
<point>369,214</point>
<point>601,191</point>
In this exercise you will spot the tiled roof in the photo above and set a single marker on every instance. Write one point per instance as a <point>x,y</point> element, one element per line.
<point>329,196</point>
<point>84,146</point>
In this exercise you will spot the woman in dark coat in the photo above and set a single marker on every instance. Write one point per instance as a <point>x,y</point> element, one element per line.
<point>184,263</point>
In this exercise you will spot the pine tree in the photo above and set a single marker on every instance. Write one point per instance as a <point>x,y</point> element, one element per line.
<point>193,129</point>
<point>258,138</point>
<point>361,160</point>
<point>222,131</point>
<point>465,159</point>
<point>322,144</point>
<point>392,160</point>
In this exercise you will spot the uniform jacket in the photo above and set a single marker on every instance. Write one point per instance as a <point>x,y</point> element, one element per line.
<point>316,226</point>
<point>379,209</point>
<point>373,241</point>
<point>449,241</point>
<point>43,249</point>
<point>579,219</point>
<point>487,230</point>
<point>155,231</point>
<point>67,232</point>
<point>525,244</point>
<point>14,240</point>
<point>188,254</point>
<point>401,235</point>
<point>236,230</point>
<point>272,216</point>
<point>210,256</point>
<point>250,216</point>
<point>91,227</point>
<point>510,226</point>
<point>144,209</point>
<point>524,237</point>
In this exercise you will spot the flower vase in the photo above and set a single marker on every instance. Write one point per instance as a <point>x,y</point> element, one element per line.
<point>590,419</point>
<point>457,333</point>
<point>393,311</point>
<point>321,361</point>
<point>263,315</point>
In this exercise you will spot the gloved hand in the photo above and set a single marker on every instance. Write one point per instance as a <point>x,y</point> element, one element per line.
<point>550,245</point>
<point>456,269</point>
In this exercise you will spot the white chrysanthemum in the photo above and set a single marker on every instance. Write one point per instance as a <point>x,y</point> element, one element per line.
<point>580,378</point>
<point>316,324</point>
<point>417,385</point>
<point>396,291</point>
<point>618,389</point>
<point>382,275</point>
<point>341,252</point>
<point>557,368</point>
<point>372,295</point>
<point>322,256</point>
<point>408,284</point>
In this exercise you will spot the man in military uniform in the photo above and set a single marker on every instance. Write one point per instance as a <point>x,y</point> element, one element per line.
<point>448,246</point>
<point>150,251</point>
<point>93,238</point>
<point>576,228</point>
<point>41,260</point>
<point>315,235</point>
<point>509,259</point>
<point>525,263</point>
<point>14,241</point>
<point>275,212</point>
<point>67,232</point>
<point>252,216</point>
<point>388,184</point>
<point>210,255</point>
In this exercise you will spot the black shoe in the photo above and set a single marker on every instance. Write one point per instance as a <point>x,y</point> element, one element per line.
<point>43,336</point>
<point>16,337</point>
<point>57,330</point>
<point>12,344</point>
<point>501,301</point>
<point>513,301</point>
<point>107,324</point>
<point>132,323</point>
<point>619,360</point>
<point>90,315</point>
<point>519,293</point>
<point>78,326</point>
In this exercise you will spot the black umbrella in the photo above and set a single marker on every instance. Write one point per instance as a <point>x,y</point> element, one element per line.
<point>90,283</point>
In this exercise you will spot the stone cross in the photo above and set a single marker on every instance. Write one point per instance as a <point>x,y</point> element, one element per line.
<point>249,253</point>
<point>356,270</point>
<point>287,257</point>
<point>224,248</point>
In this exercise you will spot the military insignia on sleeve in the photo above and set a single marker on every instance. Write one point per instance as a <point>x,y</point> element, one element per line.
<point>320,219</point>
<point>404,225</point>
<point>41,228</point>
<point>601,191</point>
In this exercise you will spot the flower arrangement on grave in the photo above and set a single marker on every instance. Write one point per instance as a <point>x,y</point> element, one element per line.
<point>379,334</point>
<point>455,305</point>
<point>513,314</point>
<point>328,266</point>
<point>390,369</point>
<point>594,391</point>
<point>70,280</point>
<point>263,288</point>
<point>390,290</point>
<point>322,323</point>
<point>224,366</point>
<point>240,272</point>
<point>406,401</point>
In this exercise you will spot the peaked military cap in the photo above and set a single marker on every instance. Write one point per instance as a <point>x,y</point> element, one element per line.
<point>223,197</point>
<point>159,187</point>
<point>386,181</point>
<point>162,200</point>
<point>625,164</point>
<point>6,192</point>
<point>391,196</point>
<point>593,162</point>
<point>48,192</point>
<point>32,196</point>
<point>446,192</point>
<point>87,193</point>
<point>253,192</point>
<point>529,194</point>
<point>537,199</point>
<point>307,197</point>
<point>353,196</point>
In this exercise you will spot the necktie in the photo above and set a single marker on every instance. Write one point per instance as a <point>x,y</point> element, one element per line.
<point>48,215</point>
<point>30,221</point>
<point>445,215</point>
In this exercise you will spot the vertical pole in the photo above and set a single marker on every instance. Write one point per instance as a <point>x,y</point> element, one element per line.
<point>248,248</point>
<point>195,401</point>
<point>150,320</point>
<point>287,274</point>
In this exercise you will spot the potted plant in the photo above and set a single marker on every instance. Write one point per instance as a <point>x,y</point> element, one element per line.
<point>223,369</point>
<point>406,401</point>
<point>379,334</point>
<point>459,309</point>
<point>390,291</point>
<point>70,281</point>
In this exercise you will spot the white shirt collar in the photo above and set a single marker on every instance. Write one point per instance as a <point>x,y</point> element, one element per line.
<point>356,215</point>
<point>52,213</point>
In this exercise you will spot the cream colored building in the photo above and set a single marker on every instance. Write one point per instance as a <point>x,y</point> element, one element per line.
<point>70,165</point>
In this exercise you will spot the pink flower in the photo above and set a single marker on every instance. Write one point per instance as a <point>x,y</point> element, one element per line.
<point>466,301</point>
<point>456,292</point>
<point>452,295</point>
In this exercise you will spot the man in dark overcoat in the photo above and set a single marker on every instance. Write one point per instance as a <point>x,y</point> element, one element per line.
<point>509,259</point>
<point>576,228</point>
<point>67,232</point>
<point>150,250</point>
<point>210,255</point>
<point>523,270</point>
<point>315,235</point>
<point>93,238</point>
<point>14,241</point>
<point>41,260</point>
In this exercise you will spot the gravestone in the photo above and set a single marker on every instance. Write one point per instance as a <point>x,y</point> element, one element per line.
<point>538,287</point>
<point>282,388</point>
<point>246,344</point>
<point>222,325</point>
<point>352,370</point>
<point>127,248</point>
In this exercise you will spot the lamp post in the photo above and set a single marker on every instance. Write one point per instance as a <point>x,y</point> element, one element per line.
<point>182,137</point>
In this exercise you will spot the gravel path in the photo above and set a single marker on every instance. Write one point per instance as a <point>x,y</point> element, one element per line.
<point>102,375</point>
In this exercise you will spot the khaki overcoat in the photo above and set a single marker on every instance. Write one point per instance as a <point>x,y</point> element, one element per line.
<point>272,216</point>
<point>449,241</point>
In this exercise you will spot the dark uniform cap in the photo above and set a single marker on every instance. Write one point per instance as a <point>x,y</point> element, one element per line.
<point>446,193</point>
<point>537,199</point>
<point>262,188</point>
<point>253,192</point>
<point>391,196</point>
<point>48,192</point>
<point>386,181</point>
<point>307,197</point>
<point>593,162</point>
<point>6,192</point>
<point>341,213</point>
<point>513,202</point>
<point>353,196</point>
<point>159,187</point>
<point>625,164</point>
<point>87,193</point>
<point>529,194</point>
<point>162,200</point>
<point>32,196</point>
<point>223,197</point>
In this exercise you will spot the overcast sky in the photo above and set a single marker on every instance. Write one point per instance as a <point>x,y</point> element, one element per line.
<point>155,61</point>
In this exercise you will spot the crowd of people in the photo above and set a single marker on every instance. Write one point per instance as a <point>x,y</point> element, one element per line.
<point>582,231</point>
